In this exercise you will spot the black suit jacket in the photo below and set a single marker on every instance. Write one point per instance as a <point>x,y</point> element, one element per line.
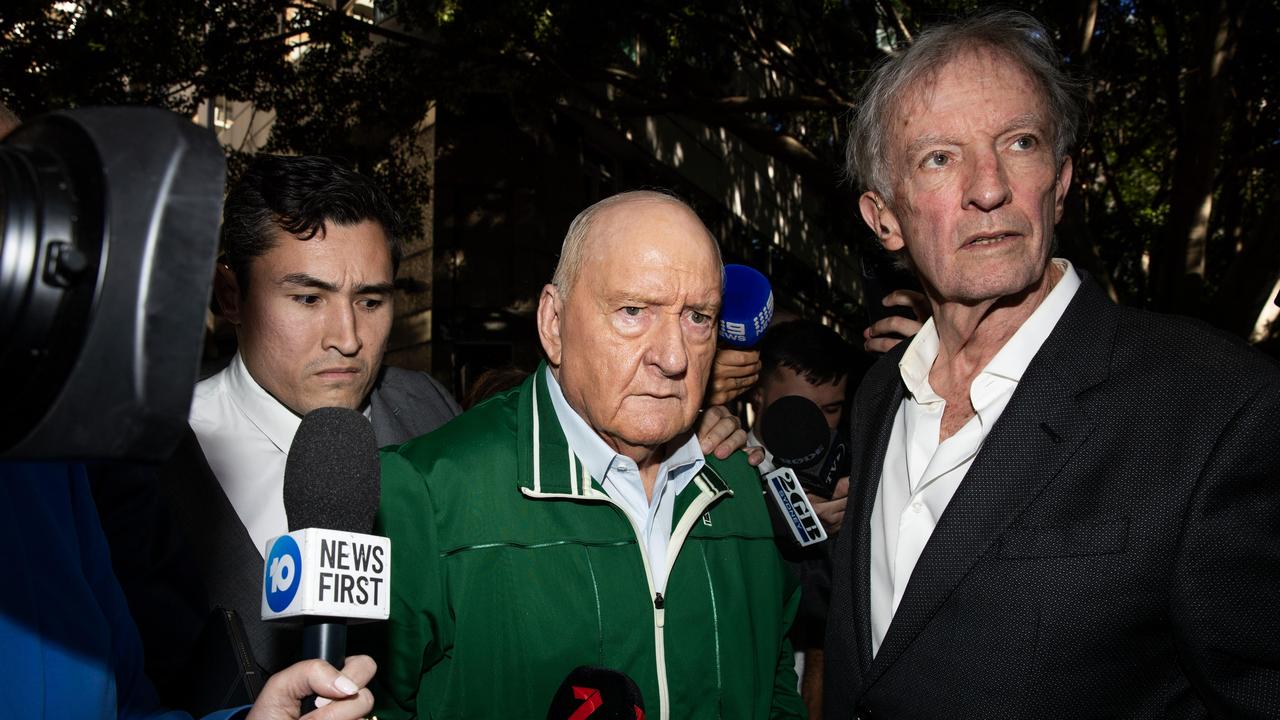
<point>1113,551</point>
<point>191,573</point>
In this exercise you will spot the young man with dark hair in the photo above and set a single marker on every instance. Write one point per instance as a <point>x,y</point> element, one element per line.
<point>802,357</point>
<point>805,358</point>
<point>310,251</point>
<point>809,359</point>
<point>299,196</point>
<point>65,591</point>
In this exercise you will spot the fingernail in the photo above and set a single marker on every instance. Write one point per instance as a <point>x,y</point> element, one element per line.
<point>345,686</point>
<point>322,701</point>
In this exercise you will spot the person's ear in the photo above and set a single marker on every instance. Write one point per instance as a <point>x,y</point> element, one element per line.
<point>1061,187</point>
<point>226,288</point>
<point>880,218</point>
<point>550,316</point>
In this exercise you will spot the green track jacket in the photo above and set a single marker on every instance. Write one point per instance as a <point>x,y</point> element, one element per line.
<point>511,567</point>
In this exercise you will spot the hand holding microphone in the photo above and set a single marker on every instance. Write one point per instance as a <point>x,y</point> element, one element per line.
<point>342,695</point>
<point>328,569</point>
<point>810,484</point>
<point>830,511</point>
<point>795,432</point>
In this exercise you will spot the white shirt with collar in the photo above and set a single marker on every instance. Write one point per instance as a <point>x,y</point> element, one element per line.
<point>620,478</point>
<point>920,474</point>
<point>245,434</point>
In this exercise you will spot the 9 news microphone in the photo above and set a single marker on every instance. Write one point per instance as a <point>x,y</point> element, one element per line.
<point>747,307</point>
<point>597,693</point>
<point>328,570</point>
<point>804,454</point>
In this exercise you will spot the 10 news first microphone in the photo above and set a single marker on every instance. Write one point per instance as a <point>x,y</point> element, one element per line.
<point>328,570</point>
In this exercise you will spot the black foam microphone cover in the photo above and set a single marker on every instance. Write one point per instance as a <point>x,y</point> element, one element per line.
<point>599,694</point>
<point>796,432</point>
<point>332,478</point>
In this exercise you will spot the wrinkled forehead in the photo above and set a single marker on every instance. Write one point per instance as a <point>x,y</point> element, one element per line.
<point>920,92</point>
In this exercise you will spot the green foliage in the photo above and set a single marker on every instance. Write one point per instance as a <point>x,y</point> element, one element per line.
<point>1164,127</point>
<point>146,52</point>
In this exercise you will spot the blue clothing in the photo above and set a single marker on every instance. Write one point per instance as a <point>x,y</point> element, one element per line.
<point>70,647</point>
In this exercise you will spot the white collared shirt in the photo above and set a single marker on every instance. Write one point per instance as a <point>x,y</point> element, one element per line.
<point>920,474</point>
<point>621,480</point>
<point>245,434</point>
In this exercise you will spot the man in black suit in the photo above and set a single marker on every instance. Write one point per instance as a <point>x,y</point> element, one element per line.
<point>1059,507</point>
<point>310,250</point>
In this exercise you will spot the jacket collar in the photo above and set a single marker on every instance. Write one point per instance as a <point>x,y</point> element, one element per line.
<point>275,421</point>
<point>547,466</point>
<point>1042,427</point>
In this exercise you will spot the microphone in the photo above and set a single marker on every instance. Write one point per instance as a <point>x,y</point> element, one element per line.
<point>797,428</point>
<point>796,433</point>
<point>597,693</point>
<point>747,307</point>
<point>328,570</point>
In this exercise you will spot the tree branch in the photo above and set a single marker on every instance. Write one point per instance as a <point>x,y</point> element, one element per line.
<point>737,104</point>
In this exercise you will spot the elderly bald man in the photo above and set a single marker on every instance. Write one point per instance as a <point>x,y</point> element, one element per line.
<point>576,521</point>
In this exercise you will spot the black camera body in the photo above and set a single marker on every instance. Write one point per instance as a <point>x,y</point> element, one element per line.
<point>110,230</point>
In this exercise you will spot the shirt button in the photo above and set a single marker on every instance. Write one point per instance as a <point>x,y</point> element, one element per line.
<point>917,508</point>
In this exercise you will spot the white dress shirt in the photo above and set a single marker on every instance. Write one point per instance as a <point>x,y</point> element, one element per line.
<point>920,474</point>
<point>622,482</point>
<point>245,434</point>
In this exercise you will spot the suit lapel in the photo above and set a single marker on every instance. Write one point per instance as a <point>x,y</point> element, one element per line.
<point>1034,439</point>
<point>880,410</point>
<point>385,415</point>
<point>231,565</point>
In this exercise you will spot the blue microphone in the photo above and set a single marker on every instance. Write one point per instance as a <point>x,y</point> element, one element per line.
<point>747,307</point>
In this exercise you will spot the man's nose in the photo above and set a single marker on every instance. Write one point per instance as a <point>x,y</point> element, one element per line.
<point>988,186</point>
<point>667,351</point>
<point>340,330</point>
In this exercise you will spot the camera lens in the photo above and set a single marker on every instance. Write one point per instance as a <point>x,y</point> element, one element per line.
<point>48,271</point>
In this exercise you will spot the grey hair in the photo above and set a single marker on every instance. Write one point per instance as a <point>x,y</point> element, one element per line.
<point>1011,33</point>
<point>571,251</point>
